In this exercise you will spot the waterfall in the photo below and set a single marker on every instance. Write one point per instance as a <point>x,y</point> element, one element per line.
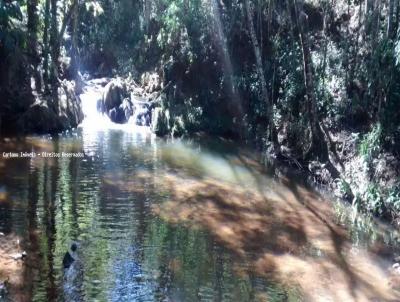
<point>94,119</point>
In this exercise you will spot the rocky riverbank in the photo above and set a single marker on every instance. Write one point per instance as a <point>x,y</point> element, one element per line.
<point>40,113</point>
<point>362,173</point>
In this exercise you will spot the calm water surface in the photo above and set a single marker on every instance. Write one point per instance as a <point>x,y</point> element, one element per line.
<point>160,220</point>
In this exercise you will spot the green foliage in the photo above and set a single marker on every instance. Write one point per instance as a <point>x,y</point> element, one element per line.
<point>393,200</point>
<point>374,200</point>
<point>10,34</point>
<point>343,186</point>
<point>370,144</point>
<point>9,11</point>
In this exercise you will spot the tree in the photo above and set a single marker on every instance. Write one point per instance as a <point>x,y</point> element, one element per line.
<point>55,49</point>
<point>318,145</point>
<point>46,45</point>
<point>260,70</point>
<point>32,27</point>
<point>74,39</point>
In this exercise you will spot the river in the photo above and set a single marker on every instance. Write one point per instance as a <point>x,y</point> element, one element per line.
<point>179,220</point>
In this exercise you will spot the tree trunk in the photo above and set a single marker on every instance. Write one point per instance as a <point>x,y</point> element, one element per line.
<point>260,70</point>
<point>55,51</point>
<point>74,46</point>
<point>46,46</point>
<point>32,41</point>
<point>390,20</point>
<point>369,5</point>
<point>396,17</point>
<point>318,146</point>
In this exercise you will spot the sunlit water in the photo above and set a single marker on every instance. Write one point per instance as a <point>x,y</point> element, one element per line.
<point>197,220</point>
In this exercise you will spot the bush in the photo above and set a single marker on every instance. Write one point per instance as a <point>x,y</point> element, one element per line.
<point>370,144</point>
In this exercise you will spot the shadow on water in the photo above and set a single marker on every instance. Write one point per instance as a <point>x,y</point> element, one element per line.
<point>175,221</point>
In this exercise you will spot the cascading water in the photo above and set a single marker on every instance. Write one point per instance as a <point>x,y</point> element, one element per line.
<point>141,115</point>
<point>95,119</point>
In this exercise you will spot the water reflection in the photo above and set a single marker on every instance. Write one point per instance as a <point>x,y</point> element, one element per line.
<point>176,221</point>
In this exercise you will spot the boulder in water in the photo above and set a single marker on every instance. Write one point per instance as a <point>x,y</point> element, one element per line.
<point>114,93</point>
<point>121,114</point>
<point>143,115</point>
<point>127,109</point>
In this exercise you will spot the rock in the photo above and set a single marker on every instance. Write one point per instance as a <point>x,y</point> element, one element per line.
<point>127,109</point>
<point>160,121</point>
<point>100,81</point>
<point>115,102</point>
<point>39,118</point>
<point>70,107</point>
<point>143,115</point>
<point>121,114</point>
<point>44,117</point>
<point>112,114</point>
<point>114,93</point>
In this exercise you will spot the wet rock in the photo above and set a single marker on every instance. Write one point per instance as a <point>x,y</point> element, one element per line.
<point>112,114</point>
<point>116,115</point>
<point>160,121</point>
<point>115,102</point>
<point>127,109</point>
<point>114,93</point>
<point>142,115</point>
<point>100,81</point>
<point>70,107</point>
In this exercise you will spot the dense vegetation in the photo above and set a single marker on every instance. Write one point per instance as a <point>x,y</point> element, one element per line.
<point>313,83</point>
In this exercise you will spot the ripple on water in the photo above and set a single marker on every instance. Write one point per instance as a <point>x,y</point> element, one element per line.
<point>181,221</point>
